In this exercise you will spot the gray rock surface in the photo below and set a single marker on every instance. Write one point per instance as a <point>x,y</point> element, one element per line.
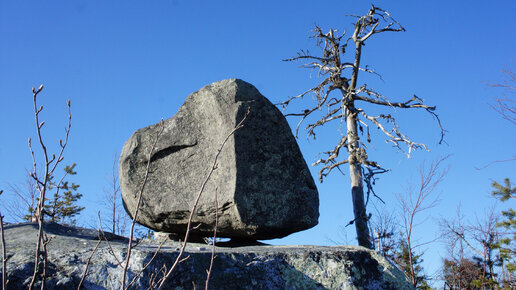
<point>257,267</point>
<point>264,187</point>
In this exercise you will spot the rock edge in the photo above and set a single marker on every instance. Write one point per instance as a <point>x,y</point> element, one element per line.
<point>256,267</point>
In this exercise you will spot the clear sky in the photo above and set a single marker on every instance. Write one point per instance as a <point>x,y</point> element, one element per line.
<point>127,64</point>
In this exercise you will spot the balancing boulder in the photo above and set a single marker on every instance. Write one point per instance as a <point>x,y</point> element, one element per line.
<point>261,183</point>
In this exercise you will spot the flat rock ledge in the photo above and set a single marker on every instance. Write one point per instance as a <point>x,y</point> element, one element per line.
<point>252,267</point>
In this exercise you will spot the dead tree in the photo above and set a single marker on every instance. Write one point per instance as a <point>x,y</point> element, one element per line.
<point>49,164</point>
<point>342,77</point>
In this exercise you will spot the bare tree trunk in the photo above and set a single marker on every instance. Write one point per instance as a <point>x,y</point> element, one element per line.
<point>355,168</point>
<point>357,187</point>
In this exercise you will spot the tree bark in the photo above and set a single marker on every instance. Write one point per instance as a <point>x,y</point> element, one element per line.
<point>357,187</point>
<point>355,168</point>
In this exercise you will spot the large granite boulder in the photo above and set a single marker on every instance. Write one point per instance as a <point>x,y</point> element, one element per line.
<point>262,267</point>
<point>263,184</point>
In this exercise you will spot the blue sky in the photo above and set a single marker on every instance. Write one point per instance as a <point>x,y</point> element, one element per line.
<point>127,64</point>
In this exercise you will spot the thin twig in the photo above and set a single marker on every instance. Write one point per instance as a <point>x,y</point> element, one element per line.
<point>416,201</point>
<point>146,265</point>
<point>496,161</point>
<point>102,235</point>
<point>137,209</point>
<point>208,273</point>
<point>85,273</point>
<point>194,207</point>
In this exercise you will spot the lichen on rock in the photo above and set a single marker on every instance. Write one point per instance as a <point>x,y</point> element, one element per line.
<point>254,267</point>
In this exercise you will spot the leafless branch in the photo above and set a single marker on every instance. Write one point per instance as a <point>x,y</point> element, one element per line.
<point>85,273</point>
<point>110,248</point>
<point>370,180</point>
<point>146,265</point>
<point>506,108</point>
<point>414,201</point>
<point>24,200</point>
<point>506,105</point>
<point>137,209</point>
<point>333,51</point>
<point>112,202</point>
<point>50,164</point>
<point>194,207</point>
<point>480,238</point>
<point>208,273</point>
<point>369,24</point>
<point>384,226</point>
<point>496,161</point>
<point>462,236</point>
